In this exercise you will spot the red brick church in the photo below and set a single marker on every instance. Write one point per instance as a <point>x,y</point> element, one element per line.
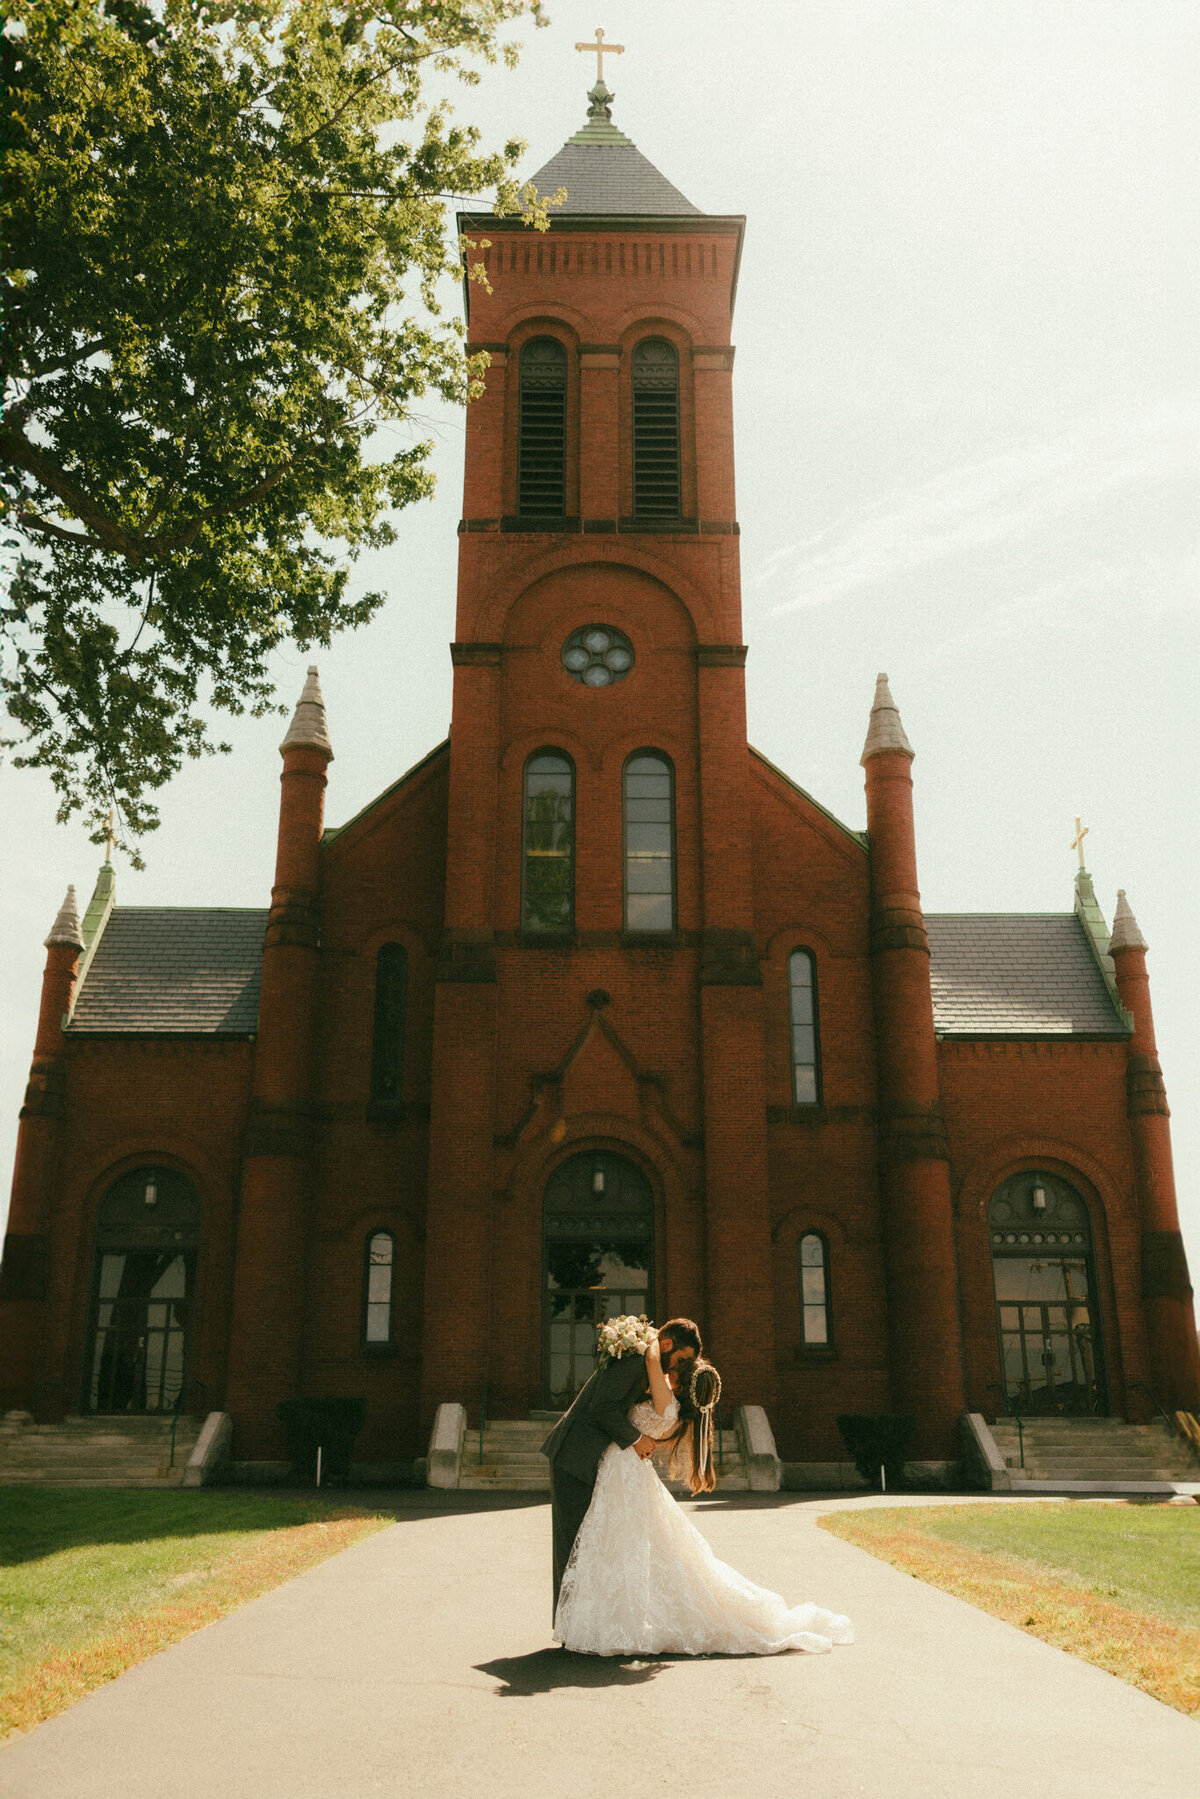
<point>595,1008</point>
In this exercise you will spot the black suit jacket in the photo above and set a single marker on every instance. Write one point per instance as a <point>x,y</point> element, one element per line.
<point>599,1416</point>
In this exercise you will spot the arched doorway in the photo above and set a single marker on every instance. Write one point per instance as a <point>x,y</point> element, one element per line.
<point>1047,1316</point>
<point>597,1262</point>
<point>143,1284</point>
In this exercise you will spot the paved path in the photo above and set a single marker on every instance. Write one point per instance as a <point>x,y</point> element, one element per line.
<point>418,1663</point>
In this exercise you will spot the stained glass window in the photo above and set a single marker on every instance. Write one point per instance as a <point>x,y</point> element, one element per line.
<point>548,843</point>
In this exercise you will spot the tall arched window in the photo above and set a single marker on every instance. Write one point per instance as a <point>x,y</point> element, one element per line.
<point>548,843</point>
<point>378,1272</point>
<point>802,1003</point>
<point>143,1286</point>
<point>656,430</point>
<point>387,1048</point>
<point>542,429</point>
<point>816,1324</point>
<point>649,843</point>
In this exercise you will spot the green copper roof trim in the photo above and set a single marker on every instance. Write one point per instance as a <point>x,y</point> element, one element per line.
<point>95,918</point>
<point>1087,911</point>
<point>858,837</point>
<point>600,128</point>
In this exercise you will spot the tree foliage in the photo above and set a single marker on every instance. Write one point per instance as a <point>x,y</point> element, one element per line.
<point>224,232</point>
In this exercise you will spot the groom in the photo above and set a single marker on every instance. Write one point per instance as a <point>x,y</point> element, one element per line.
<point>600,1416</point>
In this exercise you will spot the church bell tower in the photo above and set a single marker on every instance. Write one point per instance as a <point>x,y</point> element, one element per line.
<point>598,839</point>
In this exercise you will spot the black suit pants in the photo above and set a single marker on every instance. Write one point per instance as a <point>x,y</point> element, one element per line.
<point>569,1501</point>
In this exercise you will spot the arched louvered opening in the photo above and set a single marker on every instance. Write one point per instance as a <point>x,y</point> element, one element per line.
<point>656,491</point>
<point>542,430</point>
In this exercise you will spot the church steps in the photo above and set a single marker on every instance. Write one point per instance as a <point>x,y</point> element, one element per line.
<point>1094,1455</point>
<point>83,1452</point>
<point>512,1460</point>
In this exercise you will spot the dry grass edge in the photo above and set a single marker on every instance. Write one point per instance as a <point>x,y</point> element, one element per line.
<point>247,1573</point>
<point>1161,1658</point>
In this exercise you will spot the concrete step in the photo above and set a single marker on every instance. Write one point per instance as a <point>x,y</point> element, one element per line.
<point>85,1452</point>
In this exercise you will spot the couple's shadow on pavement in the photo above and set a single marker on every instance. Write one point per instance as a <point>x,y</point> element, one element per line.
<point>546,1670</point>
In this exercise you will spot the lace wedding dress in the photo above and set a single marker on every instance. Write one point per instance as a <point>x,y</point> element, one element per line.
<point>642,1579</point>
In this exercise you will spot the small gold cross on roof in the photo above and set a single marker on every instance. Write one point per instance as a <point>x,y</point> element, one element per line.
<point>602,50</point>
<point>1081,832</point>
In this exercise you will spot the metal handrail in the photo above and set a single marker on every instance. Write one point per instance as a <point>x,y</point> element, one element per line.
<point>483,1418</point>
<point>1139,1386</point>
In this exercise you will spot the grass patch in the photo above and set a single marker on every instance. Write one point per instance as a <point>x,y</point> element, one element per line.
<point>94,1580</point>
<point>1117,1585</point>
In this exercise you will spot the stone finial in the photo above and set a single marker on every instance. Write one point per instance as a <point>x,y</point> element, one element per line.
<point>308,729</point>
<point>885,732</point>
<point>66,928</point>
<point>1125,932</point>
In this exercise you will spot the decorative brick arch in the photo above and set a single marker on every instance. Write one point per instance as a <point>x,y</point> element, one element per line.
<point>608,552</point>
<point>992,1166</point>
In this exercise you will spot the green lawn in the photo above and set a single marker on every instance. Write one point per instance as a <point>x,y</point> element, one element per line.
<point>93,1580</point>
<point>1118,1585</point>
<point>1143,1556</point>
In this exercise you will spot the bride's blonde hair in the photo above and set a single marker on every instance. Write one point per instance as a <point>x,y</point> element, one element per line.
<point>691,1445</point>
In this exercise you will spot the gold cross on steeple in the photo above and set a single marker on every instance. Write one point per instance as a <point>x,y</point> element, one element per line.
<point>602,50</point>
<point>1081,832</point>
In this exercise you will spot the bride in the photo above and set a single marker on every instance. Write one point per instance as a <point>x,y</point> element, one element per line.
<point>641,1578</point>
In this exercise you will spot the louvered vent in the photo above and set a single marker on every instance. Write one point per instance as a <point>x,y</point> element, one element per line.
<point>655,430</point>
<point>542,435</point>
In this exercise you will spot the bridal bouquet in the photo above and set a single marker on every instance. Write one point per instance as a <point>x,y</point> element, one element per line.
<point>626,1335</point>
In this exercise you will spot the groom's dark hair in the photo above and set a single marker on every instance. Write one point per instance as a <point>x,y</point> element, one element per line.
<point>683,1334</point>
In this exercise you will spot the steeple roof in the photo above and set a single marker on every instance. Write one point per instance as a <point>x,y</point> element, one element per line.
<point>605,173</point>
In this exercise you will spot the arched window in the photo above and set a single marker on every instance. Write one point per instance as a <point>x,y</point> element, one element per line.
<point>816,1325</point>
<point>387,1050</point>
<point>378,1271</point>
<point>542,429</point>
<point>655,430</point>
<point>649,843</point>
<point>548,843</point>
<point>143,1287</point>
<point>802,1004</point>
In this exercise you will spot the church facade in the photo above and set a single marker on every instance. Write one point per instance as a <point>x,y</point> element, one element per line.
<point>595,1009</point>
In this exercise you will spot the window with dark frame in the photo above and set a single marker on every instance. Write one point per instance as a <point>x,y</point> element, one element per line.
<point>656,485</point>
<point>387,1046</point>
<point>548,844</point>
<point>816,1332</point>
<point>649,805</point>
<point>378,1281</point>
<point>802,1011</point>
<point>542,430</point>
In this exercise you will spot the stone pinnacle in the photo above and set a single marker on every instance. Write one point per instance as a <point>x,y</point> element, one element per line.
<point>1125,932</point>
<point>885,732</point>
<point>65,928</point>
<point>308,729</point>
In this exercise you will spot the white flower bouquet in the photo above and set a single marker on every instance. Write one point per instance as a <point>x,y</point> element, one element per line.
<point>623,1336</point>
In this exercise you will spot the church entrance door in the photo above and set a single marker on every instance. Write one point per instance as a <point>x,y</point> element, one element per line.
<point>1051,1346</point>
<point>597,1259</point>
<point>142,1295</point>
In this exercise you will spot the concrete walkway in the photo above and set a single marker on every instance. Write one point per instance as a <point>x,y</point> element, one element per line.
<point>419,1663</point>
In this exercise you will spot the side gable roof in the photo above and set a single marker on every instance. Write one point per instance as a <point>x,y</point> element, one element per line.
<point>184,970</point>
<point>1017,974</point>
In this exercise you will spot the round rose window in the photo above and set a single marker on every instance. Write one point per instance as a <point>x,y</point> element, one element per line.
<point>597,655</point>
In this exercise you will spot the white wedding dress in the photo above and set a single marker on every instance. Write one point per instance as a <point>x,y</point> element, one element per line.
<point>641,1578</point>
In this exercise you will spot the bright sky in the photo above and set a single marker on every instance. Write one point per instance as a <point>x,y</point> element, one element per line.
<point>968,411</point>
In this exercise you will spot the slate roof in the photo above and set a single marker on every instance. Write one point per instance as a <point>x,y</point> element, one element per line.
<point>1017,974</point>
<point>184,969</point>
<point>610,178</point>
